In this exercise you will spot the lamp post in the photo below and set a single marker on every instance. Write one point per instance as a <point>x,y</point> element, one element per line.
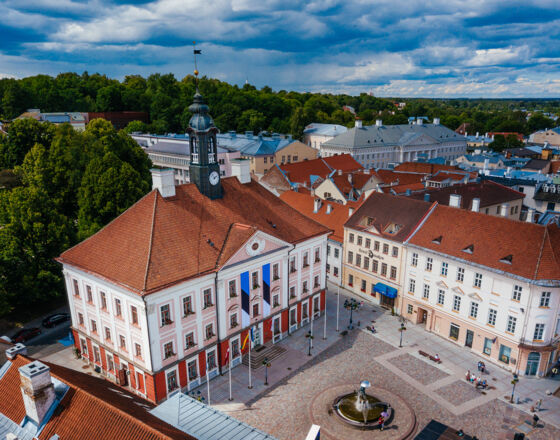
<point>337,304</point>
<point>513,382</point>
<point>266,364</point>
<point>401,329</point>
<point>351,304</point>
<point>310,337</point>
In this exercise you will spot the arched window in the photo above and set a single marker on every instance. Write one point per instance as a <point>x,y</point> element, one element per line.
<point>212,149</point>
<point>194,149</point>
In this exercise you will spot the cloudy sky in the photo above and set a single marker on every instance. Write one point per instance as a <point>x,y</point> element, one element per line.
<point>441,48</point>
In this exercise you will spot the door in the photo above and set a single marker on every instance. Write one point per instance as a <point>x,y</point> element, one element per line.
<point>533,362</point>
<point>257,336</point>
<point>387,302</point>
<point>469,338</point>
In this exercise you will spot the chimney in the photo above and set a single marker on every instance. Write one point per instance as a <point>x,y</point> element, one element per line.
<point>316,205</point>
<point>37,390</point>
<point>241,169</point>
<point>350,211</point>
<point>249,134</point>
<point>508,171</point>
<point>419,121</point>
<point>358,123</point>
<point>164,181</point>
<point>350,178</point>
<point>378,122</point>
<point>329,208</point>
<point>530,215</point>
<point>455,200</point>
<point>232,133</point>
<point>436,121</point>
<point>475,204</point>
<point>340,172</point>
<point>477,134</point>
<point>426,197</point>
<point>504,209</point>
<point>13,351</point>
<point>486,164</point>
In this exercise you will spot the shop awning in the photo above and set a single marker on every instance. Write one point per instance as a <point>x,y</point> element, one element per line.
<point>384,289</point>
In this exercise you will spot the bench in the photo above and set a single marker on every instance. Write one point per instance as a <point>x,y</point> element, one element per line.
<point>423,353</point>
<point>432,358</point>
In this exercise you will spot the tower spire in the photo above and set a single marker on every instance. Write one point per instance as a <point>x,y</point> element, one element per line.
<point>195,53</point>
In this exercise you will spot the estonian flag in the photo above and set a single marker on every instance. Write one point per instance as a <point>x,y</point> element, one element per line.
<point>197,51</point>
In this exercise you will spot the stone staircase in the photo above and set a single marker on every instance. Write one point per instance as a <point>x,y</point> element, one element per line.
<point>257,357</point>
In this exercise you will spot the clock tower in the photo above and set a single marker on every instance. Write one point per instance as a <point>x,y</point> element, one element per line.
<point>204,169</point>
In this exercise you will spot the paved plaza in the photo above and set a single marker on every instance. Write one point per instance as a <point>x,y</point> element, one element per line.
<point>287,407</point>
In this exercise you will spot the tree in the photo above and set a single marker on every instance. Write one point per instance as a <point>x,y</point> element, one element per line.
<point>109,99</point>
<point>136,126</point>
<point>501,142</point>
<point>108,188</point>
<point>22,135</point>
<point>251,120</point>
<point>538,121</point>
<point>32,234</point>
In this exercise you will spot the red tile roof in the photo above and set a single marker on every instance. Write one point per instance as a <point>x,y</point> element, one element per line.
<point>92,408</point>
<point>554,166</point>
<point>440,177</point>
<point>344,162</point>
<point>404,178</point>
<point>300,172</point>
<point>426,168</point>
<point>536,256</point>
<point>490,193</point>
<point>401,189</point>
<point>383,211</point>
<point>304,203</point>
<point>161,241</point>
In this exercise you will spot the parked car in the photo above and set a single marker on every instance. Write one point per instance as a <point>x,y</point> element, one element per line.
<point>54,320</point>
<point>25,334</point>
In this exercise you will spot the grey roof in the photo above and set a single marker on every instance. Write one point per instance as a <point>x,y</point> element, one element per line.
<point>325,129</point>
<point>204,422</point>
<point>7,426</point>
<point>392,135</point>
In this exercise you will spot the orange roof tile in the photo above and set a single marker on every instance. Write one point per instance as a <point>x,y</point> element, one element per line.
<point>423,167</point>
<point>380,211</point>
<point>401,189</point>
<point>535,257</point>
<point>554,166</point>
<point>440,177</point>
<point>404,178</point>
<point>161,241</point>
<point>304,203</point>
<point>300,172</point>
<point>344,162</point>
<point>92,408</point>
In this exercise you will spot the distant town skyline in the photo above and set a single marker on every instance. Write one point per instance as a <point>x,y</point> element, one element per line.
<point>475,49</point>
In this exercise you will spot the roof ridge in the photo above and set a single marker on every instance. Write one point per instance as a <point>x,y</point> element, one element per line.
<point>150,245</point>
<point>537,266</point>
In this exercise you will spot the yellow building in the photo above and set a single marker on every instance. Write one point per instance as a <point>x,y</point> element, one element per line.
<point>374,251</point>
<point>269,153</point>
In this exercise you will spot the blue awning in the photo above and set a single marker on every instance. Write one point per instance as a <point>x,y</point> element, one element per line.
<point>384,289</point>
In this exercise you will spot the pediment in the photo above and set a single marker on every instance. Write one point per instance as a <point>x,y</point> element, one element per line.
<point>475,296</point>
<point>458,290</point>
<point>257,244</point>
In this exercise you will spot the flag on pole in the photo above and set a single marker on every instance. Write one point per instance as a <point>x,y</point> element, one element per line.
<point>252,336</point>
<point>226,361</point>
<point>245,342</point>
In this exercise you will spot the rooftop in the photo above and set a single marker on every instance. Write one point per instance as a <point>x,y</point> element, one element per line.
<point>325,129</point>
<point>305,203</point>
<point>302,172</point>
<point>389,216</point>
<point>493,242</point>
<point>161,241</point>
<point>489,192</point>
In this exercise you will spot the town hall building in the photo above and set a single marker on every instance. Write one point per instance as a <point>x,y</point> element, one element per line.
<point>164,296</point>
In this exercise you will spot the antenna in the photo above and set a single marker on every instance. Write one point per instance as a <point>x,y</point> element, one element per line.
<point>195,53</point>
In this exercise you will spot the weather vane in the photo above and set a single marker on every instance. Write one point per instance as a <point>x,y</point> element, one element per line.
<point>195,53</point>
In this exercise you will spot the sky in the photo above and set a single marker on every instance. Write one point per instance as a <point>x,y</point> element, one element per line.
<point>428,48</point>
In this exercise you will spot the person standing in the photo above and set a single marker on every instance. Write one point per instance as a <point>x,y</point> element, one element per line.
<point>539,403</point>
<point>381,422</point>
<point>535,420</point>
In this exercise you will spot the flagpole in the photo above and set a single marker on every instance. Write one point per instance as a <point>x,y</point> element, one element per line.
<point>337,306</point>
<point>325,323</point>
<point>229,372</point>
<point>208,384</point>
<point>312,316</point>
<point>250,342</point>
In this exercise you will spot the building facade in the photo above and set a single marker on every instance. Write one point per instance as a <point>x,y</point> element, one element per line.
<point>165,296</point>
<point>374,251</point>
<point>469,279</point>
<point>316,134</point>
<point>379,145</point>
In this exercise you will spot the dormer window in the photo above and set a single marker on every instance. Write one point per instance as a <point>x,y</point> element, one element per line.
<point>393,228</point>
<point>437,240</point>
<point>469,249</point>
<point>507,259</point>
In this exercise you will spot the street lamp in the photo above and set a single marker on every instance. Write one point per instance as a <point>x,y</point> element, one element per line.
<point>513,382</point>
<point>401,329</point>
<point>310,337</point>
<point>351,304</point>
<point>266,364</point>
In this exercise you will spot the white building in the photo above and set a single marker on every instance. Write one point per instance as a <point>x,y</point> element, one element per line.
<point>316,134</point>
<point>379,145</point>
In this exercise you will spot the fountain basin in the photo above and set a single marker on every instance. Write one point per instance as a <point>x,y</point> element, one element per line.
<point>348,409</point>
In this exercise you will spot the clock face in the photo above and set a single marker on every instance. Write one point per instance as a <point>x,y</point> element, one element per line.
<point>214,178</point>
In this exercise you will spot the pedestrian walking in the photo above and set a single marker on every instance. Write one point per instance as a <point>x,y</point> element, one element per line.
<point>381,422</point>
<point>482,367</point>
<point>535,420</point>
<point>468,377</point>
<point>539,403</point>
<point>554,372</point>
<point>479,366</point>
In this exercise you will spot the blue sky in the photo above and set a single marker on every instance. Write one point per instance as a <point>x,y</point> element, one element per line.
<point>433,48</point>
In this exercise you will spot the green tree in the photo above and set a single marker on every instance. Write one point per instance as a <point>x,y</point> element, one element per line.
<point>251,120</point>
<point>32,234</point>
<point>109,99</point>
<point>538,121</point>
<point>22,135</point>
<point>108,188</point>
<point>501,142</point>
<point>136,126</point>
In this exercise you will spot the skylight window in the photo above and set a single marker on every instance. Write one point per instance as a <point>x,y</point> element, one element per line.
<point>437,240</point>
<point>469,249</point>
<point>507,259</point>
<point>393,228</point>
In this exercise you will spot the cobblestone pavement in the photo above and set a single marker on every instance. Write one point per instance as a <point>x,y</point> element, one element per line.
<point>458,392</point>
<point>284,408</point>
<point>417,369</point>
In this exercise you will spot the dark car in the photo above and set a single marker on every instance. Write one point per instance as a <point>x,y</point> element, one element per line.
<point>53,320</point>
<point>25,334</point>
